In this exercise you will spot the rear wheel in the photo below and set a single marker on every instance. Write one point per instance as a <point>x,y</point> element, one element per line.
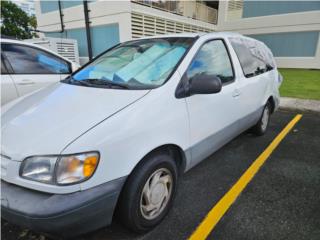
<point>148,193</point>
<point>262,125</point>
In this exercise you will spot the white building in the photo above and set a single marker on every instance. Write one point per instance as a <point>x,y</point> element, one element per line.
<point>117,21</point>
<point>290,29</point>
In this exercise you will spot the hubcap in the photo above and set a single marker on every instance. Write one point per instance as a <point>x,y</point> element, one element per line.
<point>156,193</point>
<point>265,119</point>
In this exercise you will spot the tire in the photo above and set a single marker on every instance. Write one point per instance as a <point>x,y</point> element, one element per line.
<point>262,125</point>
<point>135,204</point>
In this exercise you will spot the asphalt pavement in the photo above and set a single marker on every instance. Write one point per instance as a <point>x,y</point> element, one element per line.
<point>281,202</point>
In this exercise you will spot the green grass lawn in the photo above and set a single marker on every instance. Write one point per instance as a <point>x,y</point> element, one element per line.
<point>300,83</point>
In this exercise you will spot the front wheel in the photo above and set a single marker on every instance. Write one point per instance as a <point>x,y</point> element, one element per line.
<point>148,193</point>
<point>262,125</point>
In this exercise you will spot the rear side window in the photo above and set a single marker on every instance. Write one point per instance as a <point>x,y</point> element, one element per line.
<point>253,56</point>
<point>212,59</point>
<point>29,60</point>
<point>3,67</point>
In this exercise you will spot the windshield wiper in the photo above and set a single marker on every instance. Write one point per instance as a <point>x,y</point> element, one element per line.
<point>71,80</point>
<point>90,82</point>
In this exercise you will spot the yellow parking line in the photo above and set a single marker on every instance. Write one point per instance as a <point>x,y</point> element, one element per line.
<point>216,213</point>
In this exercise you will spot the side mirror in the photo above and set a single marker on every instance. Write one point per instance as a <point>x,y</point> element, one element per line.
<point>204,84</point>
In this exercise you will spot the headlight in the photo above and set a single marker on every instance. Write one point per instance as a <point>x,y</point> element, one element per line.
<point>60,170</point>
<point>39,169</point>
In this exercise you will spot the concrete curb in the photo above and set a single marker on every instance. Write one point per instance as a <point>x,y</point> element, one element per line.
<point>300,104</point>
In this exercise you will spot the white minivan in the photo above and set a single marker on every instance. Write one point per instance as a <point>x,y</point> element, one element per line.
<point>27,67</point>
<point>115,135</point>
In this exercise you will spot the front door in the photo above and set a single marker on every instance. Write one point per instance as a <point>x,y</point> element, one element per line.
<point>213,117</point>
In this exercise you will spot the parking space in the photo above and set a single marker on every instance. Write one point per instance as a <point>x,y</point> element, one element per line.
<point>281,202</point>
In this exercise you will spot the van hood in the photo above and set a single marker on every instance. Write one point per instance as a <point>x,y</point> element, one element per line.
<point>47,121</point>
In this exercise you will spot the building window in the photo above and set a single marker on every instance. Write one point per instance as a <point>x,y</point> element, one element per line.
<point>50,6</point>
<point>265,8</point>
<point>291,44</point>
<point>102,38</point>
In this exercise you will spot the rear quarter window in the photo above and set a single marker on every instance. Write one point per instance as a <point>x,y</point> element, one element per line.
<point>3,67</point>
<point>254,57</point>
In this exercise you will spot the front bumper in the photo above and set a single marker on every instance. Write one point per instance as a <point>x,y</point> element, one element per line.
<point>60,214</point>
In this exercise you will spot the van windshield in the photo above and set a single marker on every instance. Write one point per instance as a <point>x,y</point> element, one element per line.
<point>139,64</point>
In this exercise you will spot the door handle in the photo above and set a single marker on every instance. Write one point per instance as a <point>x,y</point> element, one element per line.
<point>26,82</point>
<point>236,93</point>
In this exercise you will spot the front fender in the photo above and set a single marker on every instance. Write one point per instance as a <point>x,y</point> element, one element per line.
<point>125,138</point>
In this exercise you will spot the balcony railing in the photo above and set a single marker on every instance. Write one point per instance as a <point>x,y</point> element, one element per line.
<point>192,9</point>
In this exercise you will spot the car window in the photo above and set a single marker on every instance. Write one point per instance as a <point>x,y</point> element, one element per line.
<point>254,58</point>
<point>3,67</point>
<point>29,60</point>
<point>212,59</point>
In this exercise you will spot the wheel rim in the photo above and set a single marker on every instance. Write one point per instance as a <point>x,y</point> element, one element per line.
<point>265,119</point>
<point>156,193</point>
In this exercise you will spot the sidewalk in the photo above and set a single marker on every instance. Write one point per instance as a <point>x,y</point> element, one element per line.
<point>300,104</point>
